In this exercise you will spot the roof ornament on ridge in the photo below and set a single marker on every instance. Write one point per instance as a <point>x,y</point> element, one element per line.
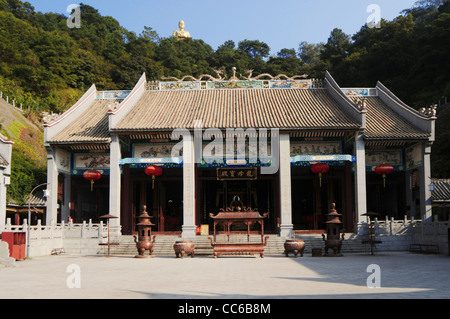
<point>278,77</point>
<point>219,74</point>
<point>113,106</point>
<point>221,77</point>
<point>430,111</point>
<point>49,117</point>
<point>361,104</point>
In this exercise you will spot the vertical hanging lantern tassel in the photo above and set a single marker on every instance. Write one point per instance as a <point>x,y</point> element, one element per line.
<point>92,175</point>
<point>153,171</point>
<point>383,170</point>
<point>320,169</point>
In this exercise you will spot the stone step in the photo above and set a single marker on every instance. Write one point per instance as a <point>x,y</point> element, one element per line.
<point>163,245</point>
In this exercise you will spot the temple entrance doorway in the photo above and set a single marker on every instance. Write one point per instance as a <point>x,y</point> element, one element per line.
<point>214,194</point>
<point>311,198</point>
<point>163,198</point>
<point>88,203</point>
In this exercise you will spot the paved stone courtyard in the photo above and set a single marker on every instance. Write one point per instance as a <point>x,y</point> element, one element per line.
<point>402,276</point>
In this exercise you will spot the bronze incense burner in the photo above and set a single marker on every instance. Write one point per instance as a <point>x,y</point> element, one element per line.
<point>143,240</point>
<point>184,247</point>
<point>295,246</point>
<point>333,240</point>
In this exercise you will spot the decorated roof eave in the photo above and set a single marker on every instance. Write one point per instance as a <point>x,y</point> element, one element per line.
<point>398,142</point>
<point>55,123</point>
<point>406,139</point>
<point>83,146</point>
<point>284,130</point>
<point>105,142</point>
<point>117,114</point>
<point>359,115</point>
<point>422,121</point>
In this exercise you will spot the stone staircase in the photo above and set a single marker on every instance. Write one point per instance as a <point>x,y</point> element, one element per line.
<point>163,245</point>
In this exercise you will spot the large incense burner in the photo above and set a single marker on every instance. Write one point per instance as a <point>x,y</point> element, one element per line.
<point>238,214</point>
<point>295,246</point>
<point>333,239</point>
<point>144,241</point>
<point>184,247</point>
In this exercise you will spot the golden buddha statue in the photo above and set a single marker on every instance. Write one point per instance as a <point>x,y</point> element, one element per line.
<point>181,34</point>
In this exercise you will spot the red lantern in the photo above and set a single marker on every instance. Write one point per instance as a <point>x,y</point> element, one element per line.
<point>384,170</point>
<point>153,171</point>
<point>92,176</point>
<point>320,168</point>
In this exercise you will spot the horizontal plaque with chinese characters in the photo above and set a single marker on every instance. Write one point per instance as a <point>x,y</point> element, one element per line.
<point>247,173</point>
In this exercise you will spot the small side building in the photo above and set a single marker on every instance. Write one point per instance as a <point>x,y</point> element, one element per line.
<point>5,174</point>
<point>441,197</point>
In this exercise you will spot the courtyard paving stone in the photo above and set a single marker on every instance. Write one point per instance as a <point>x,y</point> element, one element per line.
<point>402,276</point>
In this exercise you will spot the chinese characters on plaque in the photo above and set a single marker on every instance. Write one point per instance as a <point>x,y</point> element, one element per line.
<point>237,173</point>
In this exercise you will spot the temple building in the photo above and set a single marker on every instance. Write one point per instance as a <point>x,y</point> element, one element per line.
<point>257,140</point>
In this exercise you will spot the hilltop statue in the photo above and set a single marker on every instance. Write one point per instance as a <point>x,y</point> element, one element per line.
<point>181,34</point>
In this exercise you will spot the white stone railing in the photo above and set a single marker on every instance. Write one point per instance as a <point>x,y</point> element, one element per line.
<point>64,230</point>
<point>389,227</point>
<point>68,237</point>
<point>399,234</point>
<point>432,233</point>
<point>433,228</point>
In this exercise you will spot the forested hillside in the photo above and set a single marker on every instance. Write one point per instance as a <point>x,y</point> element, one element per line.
<point>47,66</point>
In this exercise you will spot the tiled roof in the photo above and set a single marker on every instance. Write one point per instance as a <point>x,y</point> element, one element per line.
<point>91,127</point>
<point>3,162</point>
<point>36,200</point>
<point>240,108</point>
<point>441,190</point>
<point>384,123</point>
<point>310,109</point>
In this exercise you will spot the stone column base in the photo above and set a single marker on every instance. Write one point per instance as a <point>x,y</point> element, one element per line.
<point>287,230</point>
<point>189,231</point>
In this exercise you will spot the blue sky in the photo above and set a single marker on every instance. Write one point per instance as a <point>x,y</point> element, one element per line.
<point>279,23</point>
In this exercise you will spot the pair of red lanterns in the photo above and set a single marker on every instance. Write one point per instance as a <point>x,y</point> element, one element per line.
<point>93,175</point>
<point>383,170</point>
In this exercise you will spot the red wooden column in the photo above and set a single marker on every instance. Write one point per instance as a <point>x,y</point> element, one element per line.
<point>349,219</point>
<point>126,201</point>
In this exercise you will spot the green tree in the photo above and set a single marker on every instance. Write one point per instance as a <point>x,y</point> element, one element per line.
<point>151,35</point>
<point>286,62</point>
<point>254,48</point>
<point>336,48</point>
<point>310,55</point>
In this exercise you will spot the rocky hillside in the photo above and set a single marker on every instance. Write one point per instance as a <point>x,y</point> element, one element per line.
<point>28,158</point>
